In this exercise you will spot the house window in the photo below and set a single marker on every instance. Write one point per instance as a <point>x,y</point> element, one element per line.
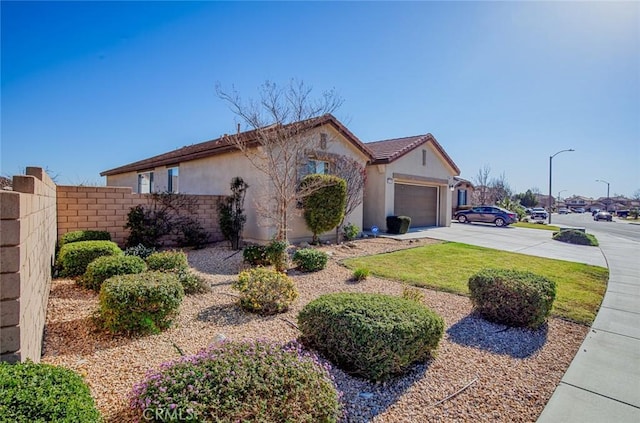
<point>172,179</point>
<point>318,166</point>
<point>145,183</point>
<point>323,141</point>
<point>424,157</point>
<point>462,197</point>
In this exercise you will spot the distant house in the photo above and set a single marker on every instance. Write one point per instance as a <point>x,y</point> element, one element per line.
<point>461,193</point>
<point>405,176</point>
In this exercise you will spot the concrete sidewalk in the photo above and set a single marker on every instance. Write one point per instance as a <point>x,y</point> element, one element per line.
<point>602,384</point>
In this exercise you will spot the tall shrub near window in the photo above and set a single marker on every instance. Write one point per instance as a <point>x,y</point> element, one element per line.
<point>231,213</point>
<point>325,204</point>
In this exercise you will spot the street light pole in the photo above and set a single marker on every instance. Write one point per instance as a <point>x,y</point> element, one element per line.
<point>606,206</point>
<point>550,173</point>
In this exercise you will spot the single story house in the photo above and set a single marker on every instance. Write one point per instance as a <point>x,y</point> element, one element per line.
<point>408,176</point>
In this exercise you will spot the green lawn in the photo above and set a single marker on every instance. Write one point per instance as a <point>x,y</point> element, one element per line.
<point>535,226</point>
<point>448,266</point>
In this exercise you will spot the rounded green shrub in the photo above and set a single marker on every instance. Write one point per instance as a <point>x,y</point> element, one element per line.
<point>73,258</point>
<point>255,255</point>
<point>76,236</point>
<point>104,267</point>
<point>310,259</point>
<point>512,297</point>
<point>140,303</point>
<point>253,381</point>
<point>32,392</point>
<point>575,236</point>
<point>324,206</point>
<point>192,283</point>
<point>168,261</point>
<point>265,291</point>
<point>370,335</point>
<point>350,231</point>
<point>276,253</point>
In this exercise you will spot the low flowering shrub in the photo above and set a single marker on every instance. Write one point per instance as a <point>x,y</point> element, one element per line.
<point>265,291</point>
<point>255,255</point>
<point>240,381</point>
<point>412,294</point>
<point>139,304</point>
<point>310,259</point>
<point>32,392</point>
<point>370,335</point>
<point>512,297</point>
<point>140,251</point>
<point>73,258</point>
<point>104,267</point>
<point>575,236</point>
<point>168,261</point>
<point>76,236</point>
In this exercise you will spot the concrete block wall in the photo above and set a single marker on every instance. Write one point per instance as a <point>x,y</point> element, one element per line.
<point>27,248</point>
<point>106,209</point>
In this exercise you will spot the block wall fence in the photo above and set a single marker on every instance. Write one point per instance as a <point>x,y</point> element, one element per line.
<point>33,216</point>
<point>27,250</point>
<point>106,209</point>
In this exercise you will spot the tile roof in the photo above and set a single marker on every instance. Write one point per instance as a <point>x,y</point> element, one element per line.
<point>387,151</point>
<point>223,145</point>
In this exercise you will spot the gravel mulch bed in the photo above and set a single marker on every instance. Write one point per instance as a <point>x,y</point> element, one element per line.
<point>509,374</point>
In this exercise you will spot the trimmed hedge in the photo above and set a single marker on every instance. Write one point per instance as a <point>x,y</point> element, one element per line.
<point>105,267</point>
<point>73,258</point>
<point>168,261</point>
<point>265,291</point>
<point>252,381</point>
<point>512,297</point>
<point>32,392</point>
<point>310,260</point>
<point>76,236</point>
<point>370,335</point>
<point>140,303</point>
<point>398,224</point>
<point>575,236</point>
<point>324,206</point>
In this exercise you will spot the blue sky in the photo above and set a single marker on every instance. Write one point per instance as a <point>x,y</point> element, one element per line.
<point>88,86</point>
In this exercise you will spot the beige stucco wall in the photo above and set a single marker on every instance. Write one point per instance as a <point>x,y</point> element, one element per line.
<point>212,175</point>
<point>28,241</point>
<point>379,194</point>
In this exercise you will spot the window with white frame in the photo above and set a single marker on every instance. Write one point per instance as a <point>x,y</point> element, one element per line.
<point>318,166</point>
<point>172,179</point>
<point>462,197</point>
<point>145,183</point>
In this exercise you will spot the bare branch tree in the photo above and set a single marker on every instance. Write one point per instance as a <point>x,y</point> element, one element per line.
<point>279,142</point>
<point>355,175</point>
<point>499,189</point>
<point>481,192</point>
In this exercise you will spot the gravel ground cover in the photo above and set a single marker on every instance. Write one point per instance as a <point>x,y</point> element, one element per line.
<point>482,371</point>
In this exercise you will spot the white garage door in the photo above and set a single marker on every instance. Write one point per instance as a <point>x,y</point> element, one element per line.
<point>417,202</point>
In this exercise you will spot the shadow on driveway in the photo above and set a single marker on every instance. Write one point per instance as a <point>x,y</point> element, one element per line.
<point>474,331</point>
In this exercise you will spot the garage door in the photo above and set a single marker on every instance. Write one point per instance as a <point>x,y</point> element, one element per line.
<point>419,203</point>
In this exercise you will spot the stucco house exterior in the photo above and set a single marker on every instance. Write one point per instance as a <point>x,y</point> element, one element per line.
<point>407,176</point>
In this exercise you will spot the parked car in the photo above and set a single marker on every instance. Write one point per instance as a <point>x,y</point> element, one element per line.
<point>594,212</point>
<point>578,210</point>
<point>622,213</point>
<point>602,215</point>
<point>563,211</point>
<point>527,211</point>
<point>539,213</point>
<point>487,214</point>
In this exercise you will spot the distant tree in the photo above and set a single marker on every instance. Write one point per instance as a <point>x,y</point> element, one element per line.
<point>281,143</point>
<point>482,184</point>
<point>636,195</point>
<point>355,175</point>
<point>499,189</point>
<point>527,199</point>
